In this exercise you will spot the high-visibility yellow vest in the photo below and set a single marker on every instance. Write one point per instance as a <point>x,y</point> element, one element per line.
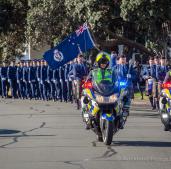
<point>98,75</point>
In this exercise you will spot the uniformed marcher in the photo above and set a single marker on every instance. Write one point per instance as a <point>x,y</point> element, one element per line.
<point>38,68</point>
<point>24,83</point>
<point>149,75</point>
<point>125,72</point>
<point>68,82</point>
<point>49,82</point>
<point>19,75</point>
<point>3,77</point>
<point>26,79</point>
<point>11,75</point>
<point>63,90</point>
<point>139,82</point>
<point>43,78</point>
<point>56,85</point>
<point>161,71</point>
<point>80,72</point>
<point>32,79</point>
<point>0,83</point>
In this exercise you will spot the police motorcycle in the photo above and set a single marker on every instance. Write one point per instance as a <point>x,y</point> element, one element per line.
<point>165,105</point>
<point>102,108</point>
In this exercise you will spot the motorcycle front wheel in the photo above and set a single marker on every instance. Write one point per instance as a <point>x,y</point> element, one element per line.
<point>107,131</point>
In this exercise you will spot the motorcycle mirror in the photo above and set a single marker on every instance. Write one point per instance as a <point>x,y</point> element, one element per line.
<point>85,100</point>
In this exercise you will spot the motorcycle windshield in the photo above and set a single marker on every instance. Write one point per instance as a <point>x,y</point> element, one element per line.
<point>104,88</point>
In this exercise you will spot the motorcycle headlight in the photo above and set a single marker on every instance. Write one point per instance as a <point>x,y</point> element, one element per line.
<point>113,98</point>
<point>102,99</point>
<point>165,116</point>
<point>99,99</point>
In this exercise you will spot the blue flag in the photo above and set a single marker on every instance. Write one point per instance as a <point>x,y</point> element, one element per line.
<point>78,42</point>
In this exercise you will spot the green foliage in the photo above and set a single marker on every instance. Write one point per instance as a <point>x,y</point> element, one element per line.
<point>147,16</point>
<point>49,21</point>
<point>13,14</point>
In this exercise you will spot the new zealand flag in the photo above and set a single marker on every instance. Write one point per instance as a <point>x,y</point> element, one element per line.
<point>78,42</point>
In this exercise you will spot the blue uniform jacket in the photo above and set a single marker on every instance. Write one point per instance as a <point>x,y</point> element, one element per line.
<point>25,73</point>
<point>62,73</point>
<point>4,72</point>
<point>161,72</point>
<point>11,72</point>
<point>112,61</point>
<point>79,70</point>
<point>32,73</point>
<point>70,73</point>
<point>56,74</point>
<point>38,69</point>
<point>149,71</point>
<point>19,73</point>
<point>43,73</point>
<point>121,72</point>
<point>67,70</point>
<point>49,73</point>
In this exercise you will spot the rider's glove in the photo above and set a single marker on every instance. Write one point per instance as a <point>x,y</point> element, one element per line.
<point>128,76</point>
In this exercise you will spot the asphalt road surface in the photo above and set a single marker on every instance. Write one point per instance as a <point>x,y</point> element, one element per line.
<point>47,135</point>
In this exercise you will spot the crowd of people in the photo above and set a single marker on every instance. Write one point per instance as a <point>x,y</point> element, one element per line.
<point>34,79</point>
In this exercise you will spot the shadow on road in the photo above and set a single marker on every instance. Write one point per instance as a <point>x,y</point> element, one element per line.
<point>141,143</point>
<point>7,131</point>
<point>148,115</point>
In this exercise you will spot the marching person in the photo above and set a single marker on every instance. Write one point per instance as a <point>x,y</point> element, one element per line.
<point>68,81</point>
<point>11,75</point>
<point>63,86</point>
<point>32,79</point>
<point>55,85</point>
<point>3,76</point>
<point>43,78</point>
<point>139,81</point>
<point>79,72</point>
<point>149,75</point>
<point>19,76</point>
<point>125,72</point>
<point>49,82</point>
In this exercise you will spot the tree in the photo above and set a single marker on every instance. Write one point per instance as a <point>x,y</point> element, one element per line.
<point>47,22</point>
<point>148,17</point>
<point>51,21</point>
<point>13,14</point>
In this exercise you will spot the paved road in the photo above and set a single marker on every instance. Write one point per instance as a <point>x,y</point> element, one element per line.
<point>47,135</point>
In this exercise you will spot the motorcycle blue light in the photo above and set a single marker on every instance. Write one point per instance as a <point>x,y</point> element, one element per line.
<point>122,84</point>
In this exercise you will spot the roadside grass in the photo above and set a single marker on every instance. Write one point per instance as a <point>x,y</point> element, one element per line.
<point>137,95</point>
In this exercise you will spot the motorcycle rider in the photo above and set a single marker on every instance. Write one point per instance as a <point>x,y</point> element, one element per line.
<point>101,72</point>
